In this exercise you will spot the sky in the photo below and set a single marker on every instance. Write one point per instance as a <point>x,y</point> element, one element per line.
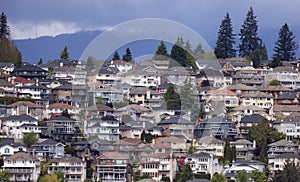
<point>35,18</point>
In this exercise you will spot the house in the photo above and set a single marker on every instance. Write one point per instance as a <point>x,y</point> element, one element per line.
<point>63,128</point>
<point>17,125</point>
<point>142,76</point>
<point>259,99</point>
<point>276,90</point>
<point>22,167</point>
<point>62,94</point>
<point>20,82</point>
<point>240,89</point>
<point>10,148</point>
<point>7,67</point>
<point>47,149</point>
<point>177,126</point>
<point>290,126</point>
<point>209,144</point>
<point>26,107</point>
<point>108,76</point>
<point>57,109</point>
<point>40,93</point>
<point>74,168</point>
<point>286,110</point>
<point>229,98</point>
<point>237,113</point>
<point>244,149</point>
<point>136,112</point>
<point>247,122</point>
<point>72,74</point>
<point>177,75</point>
<point>123,66</point>
<point>108,94</point>
<point>203,163</point>
<point>177,145</point>
<point>215,78</point>
<point>215,109</point>
<point>31,72</point>
<point>287,76</point>
<point>99,110</point>
<point>287,98</point>
<point>145,97</point>
<point>279,161</point>
<point>8,88</point>
<point>281,147</point>
<point>106,128</point>
<point>85,150</point>
<point>134,129</point>
<point>217,127</point>
<point>249,76</point>
<point>113,166</point>
<point>158,165</point>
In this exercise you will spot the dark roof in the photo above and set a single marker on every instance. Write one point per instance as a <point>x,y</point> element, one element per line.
<point>254,118</point>
<point>6,64</point>
<point>287,95</point>
<point>13,144</point>
<point>155,128</point>
<point>175,120</point>
<point>48,142</point>
<point>35,87</point>
<point>5,83</point>
<point>83,142</point>
<point>109,70</point>
<point>287,156</point>
<point>125,127</point>
<point>30,68</point>
<point>22,117</point>
<point>200,154</point>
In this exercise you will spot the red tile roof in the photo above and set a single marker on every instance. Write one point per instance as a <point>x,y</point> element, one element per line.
<point>60,106</point>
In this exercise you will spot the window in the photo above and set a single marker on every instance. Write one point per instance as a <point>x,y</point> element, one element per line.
<point>6,150</point>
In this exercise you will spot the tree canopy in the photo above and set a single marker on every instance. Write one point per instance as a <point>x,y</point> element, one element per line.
<point>172,98</point>
<point>116,56</point>
<point>290,173</point>
<point>64,55</point>
<point>30,138</point>
<point>285,46</point>
<point>128,56</point>
<point>225,41</point>
<point>161,52</point>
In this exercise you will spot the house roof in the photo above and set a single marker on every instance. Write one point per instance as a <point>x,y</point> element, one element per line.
<point>175,120</point>
<point>29,67</point>
<point>284,69</point>
<point>287,96</point>
<point>287,156</point>
<point>27,103</point>
<point>13,144</point>
<point>21,156</point>
<point>273,88</point>
<point>22,80</point>
<point>254,118</point>
<point>200,154</point>
<point>48,142</point>
<point>135,107</point>
<point>6,64</point>
<point>256,94</point>
<point>282,143</point>
<point>67,159</point>
<point>241,141</point>
<point>5,83</point>
<point>209,139</point>
<point>109,70</point>
<point>99,107</point>
<point>141,90</point>
<point>251,107</point>
<point>286,108</point>
<point>113,155</point>
<point>22,117</point>
<point>64,87</point>
<point>221,92</point>
<point>240,87</point>
<point>62,118</point>
<point>60,106</point>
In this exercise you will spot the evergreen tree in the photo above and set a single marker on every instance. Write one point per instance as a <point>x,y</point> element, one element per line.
<point>258,176</point>
<point>29,139</point>
<point>172,98</point>
<point>218,178</point>
<point>116,56</point>
<point>178,54</point>
<point>198,52</point>
<point>260,53</point>
<point>186,95</point>
<point>40,61</point>
<point>64,55</point>
<point>161,52</point>
<point>4,28</point>
<point>227,151</point>
<point>285,46</point>
<point>185,174</point>
<point>290,173</point>
<point>224,46</point>
<point>127,56</point>
<point>248,35</point>
<point>190,59</point>
<point>241,176</point>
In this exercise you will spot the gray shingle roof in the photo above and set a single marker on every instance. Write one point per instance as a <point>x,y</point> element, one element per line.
<point>175,120</point>
<point>254,118</point>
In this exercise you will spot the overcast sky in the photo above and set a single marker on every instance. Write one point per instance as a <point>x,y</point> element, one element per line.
<point>66,16</point>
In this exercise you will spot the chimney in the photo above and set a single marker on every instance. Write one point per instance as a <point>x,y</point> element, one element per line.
<point>254,143</point>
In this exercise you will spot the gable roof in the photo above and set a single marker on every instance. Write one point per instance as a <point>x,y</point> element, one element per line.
<point>48,142</point>
<point>22,117</point>
<point>256,94</point>
<point>113,155</point>
<point>21,156</point>
<point>287,96</point>
<point>27,103</point>
<point>282,143</point>
<point>60,106</point>
<point>254,118</point>
<point>175,120</point>
<point>29,67</point>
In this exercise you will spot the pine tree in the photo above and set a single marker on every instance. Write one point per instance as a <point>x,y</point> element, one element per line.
<point>260,53</point>
<point>289,173</point>
<point>178,54</point>
<point>161,52</point>
<point>186,95</point>
<point>172,98</point>
<point>64,55</point>
<point>285,46</point>
<point>198,52</point>
<point>127,56</point>
<point>190,59</point>
<point>116,56</point>
<point>248,35</point>
<point>4,28</point>
<point>227,151</point>
<point>224,46</point>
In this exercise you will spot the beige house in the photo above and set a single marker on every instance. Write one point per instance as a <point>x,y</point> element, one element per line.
<point>74,168</point>
<point>259,99</point>
<point>145,97</point>
<point>26,107</point>
<point>229,98</point>
<point>210,145</point>
<point>158,165</point>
